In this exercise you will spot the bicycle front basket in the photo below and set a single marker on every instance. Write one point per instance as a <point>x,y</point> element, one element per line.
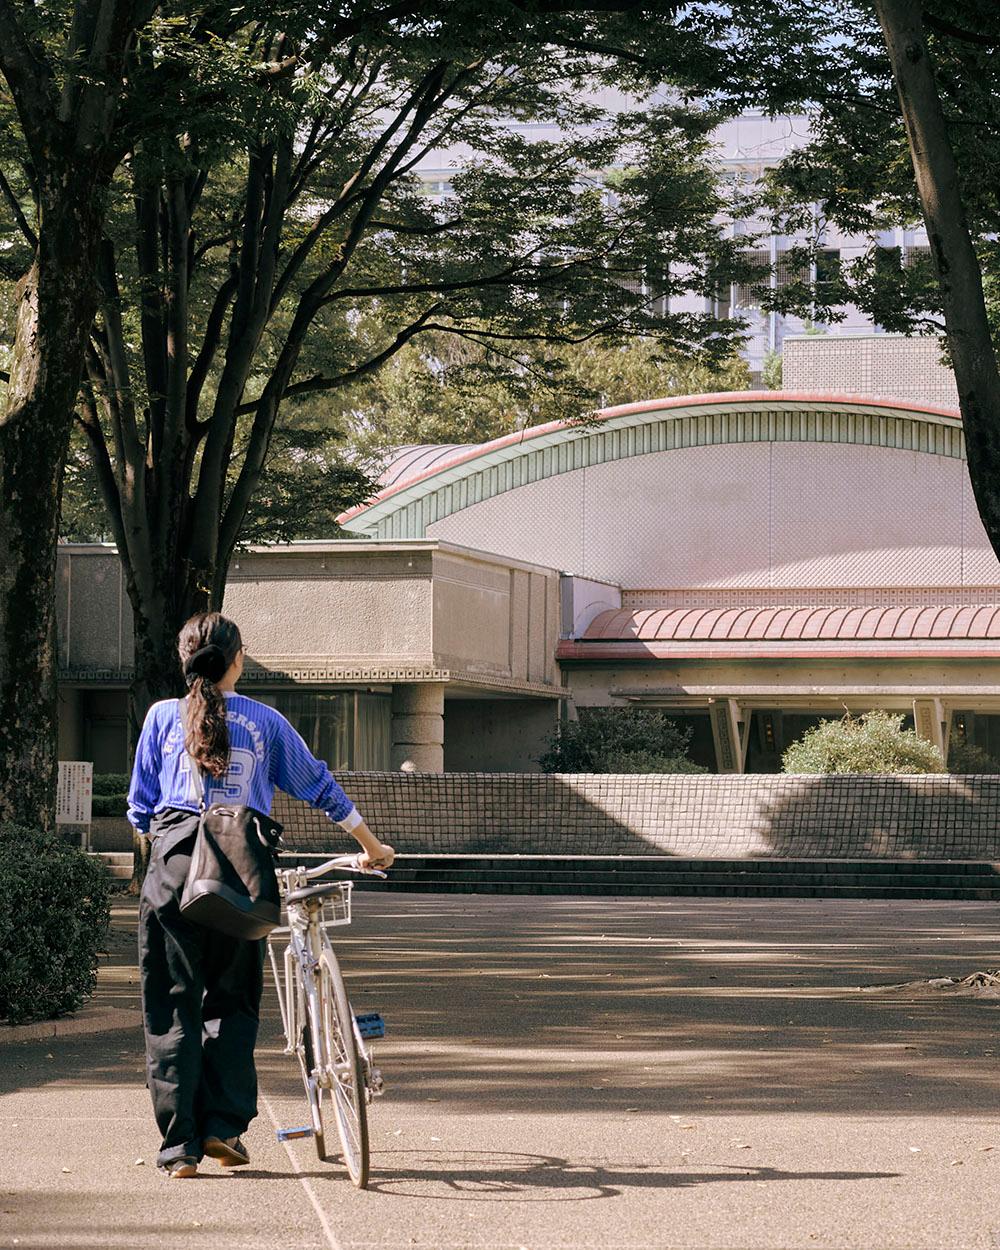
<point>337,906</point>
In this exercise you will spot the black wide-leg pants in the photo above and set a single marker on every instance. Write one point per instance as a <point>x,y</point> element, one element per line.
<point>201,994</point>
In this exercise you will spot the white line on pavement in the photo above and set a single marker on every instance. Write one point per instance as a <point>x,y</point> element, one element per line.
<point>310,1192</point>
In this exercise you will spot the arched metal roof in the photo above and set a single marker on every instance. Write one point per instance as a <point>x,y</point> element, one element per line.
<point>417,459</point>
<point>446,480</point>
<point>795,624</point>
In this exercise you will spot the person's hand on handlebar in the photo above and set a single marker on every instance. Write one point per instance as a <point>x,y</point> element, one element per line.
<point>381,861</point>
<point>374,854</point>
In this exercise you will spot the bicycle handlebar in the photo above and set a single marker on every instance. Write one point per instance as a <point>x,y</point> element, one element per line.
<point>344,863</point>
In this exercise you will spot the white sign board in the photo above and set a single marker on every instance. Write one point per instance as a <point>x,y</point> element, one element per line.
<point>75,791</point>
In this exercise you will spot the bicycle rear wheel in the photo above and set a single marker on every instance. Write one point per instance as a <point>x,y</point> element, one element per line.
<point>348,1093</point>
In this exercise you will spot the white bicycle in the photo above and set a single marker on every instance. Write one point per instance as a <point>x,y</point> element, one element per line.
<point>320,1027</point>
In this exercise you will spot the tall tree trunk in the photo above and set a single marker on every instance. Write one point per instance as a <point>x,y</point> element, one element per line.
<point>157,620</point>
<point>958,270</point>
<point>56,304</point>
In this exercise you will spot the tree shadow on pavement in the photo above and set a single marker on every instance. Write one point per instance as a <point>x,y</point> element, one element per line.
<point>670,1006</point>
<point>929,817</point>
<point>502,1176</point>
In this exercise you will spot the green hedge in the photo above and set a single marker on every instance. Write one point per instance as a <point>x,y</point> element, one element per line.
<point>110,794</point>
<point>109,805</point>
<point>54,917</point>
<point>111,784</point>
<point>619,740</point>
<point>966,757</point>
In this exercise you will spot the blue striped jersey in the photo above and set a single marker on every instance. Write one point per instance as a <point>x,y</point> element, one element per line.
<point>265,753</point>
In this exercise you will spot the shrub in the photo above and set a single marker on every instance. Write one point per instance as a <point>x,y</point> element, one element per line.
<point>109,805</point>
<point>619,740</point>
<point>110,794</point>
<point>111,783</point>
<point>966,757</point>
<point>873,743</point>
<point>54,918</point>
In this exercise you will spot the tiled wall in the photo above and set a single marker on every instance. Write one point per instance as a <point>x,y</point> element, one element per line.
<point>926,817</point>
<point>877,364</point>
<point>745,516</point>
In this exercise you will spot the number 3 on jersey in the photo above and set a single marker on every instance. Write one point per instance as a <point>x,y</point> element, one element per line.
<point>234,787</point>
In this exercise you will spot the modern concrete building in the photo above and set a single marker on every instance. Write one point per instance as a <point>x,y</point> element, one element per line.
<point>358,643</point>
<point>750,562</point>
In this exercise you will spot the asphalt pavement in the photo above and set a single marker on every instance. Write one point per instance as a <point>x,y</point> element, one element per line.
<point>571,1073</point>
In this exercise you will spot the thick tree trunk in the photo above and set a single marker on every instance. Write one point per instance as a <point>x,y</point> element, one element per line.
<point>958,270</point>
<point>55,309</point>
<point>157,671</point>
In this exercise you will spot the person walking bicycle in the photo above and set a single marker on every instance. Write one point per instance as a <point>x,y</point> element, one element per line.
<point>201,989</point>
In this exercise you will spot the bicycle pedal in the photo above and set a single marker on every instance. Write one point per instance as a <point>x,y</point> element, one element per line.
<point>293,1134</point>
<point>371,1024</point>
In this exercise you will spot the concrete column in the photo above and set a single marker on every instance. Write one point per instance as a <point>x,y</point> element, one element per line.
<point>933,723</point>
<point>730,734</point>
<point>418,727</point>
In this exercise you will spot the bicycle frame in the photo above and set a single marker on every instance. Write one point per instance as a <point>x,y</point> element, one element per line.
<point>307,940</point>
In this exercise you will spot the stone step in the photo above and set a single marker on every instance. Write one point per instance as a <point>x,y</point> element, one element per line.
<point>719,889</point>
<point>661,875</point>
<point>118,863</point>
<point>614,876</point>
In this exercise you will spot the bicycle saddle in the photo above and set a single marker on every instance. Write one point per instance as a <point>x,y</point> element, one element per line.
<point>313,891</point>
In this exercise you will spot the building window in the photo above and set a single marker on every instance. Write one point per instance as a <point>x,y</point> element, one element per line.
<point>749,294</point>
<point>348,729</point>
<point>827,267</point>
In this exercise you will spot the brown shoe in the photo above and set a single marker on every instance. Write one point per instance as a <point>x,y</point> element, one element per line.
<point>179,1169</point>
<point>230,1152</point>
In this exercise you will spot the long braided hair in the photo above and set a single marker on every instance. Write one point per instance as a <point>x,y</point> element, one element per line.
<point>208,644</point>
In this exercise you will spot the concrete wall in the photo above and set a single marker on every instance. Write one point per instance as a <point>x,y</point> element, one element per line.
<point>932,817</point>
<point>301,604</point>
<point>313,612</point>
<point>497,735</point>
<point>869,364</point>
<point>494,617</point>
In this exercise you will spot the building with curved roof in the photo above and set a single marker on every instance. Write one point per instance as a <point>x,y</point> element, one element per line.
<point>749,561</point>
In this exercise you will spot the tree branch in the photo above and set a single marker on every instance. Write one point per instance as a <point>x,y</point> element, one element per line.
<point>263,427</point>
<point>209,346</point>
<point>942,27</point>
<point>19,217</point>
<point>345,200</point>
<point>89,422</point>
<point>30,80</point>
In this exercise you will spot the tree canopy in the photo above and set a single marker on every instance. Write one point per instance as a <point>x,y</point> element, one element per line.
<point>268,240</point>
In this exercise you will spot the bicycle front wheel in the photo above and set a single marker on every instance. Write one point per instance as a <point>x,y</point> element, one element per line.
<point>348,1091</point>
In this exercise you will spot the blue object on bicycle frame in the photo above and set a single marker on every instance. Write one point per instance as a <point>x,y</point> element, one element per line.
<point>371,1024</point>
<point>292,1134</point>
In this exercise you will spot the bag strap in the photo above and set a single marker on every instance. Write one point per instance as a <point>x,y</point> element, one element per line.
<point>199,783</point>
